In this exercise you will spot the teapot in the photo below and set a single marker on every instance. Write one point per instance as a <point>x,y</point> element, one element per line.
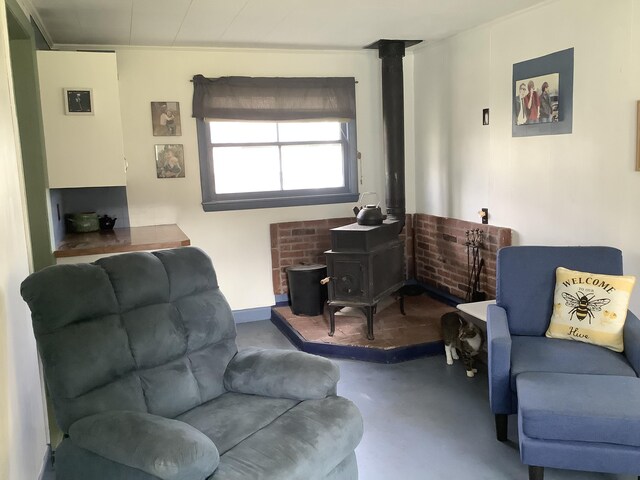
<point>369,214</point>
<point>106,222</point>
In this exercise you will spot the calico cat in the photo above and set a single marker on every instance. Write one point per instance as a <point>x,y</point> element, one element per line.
<point>463,337</point>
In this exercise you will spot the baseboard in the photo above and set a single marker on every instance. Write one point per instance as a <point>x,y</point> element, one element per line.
<point>252,314</point>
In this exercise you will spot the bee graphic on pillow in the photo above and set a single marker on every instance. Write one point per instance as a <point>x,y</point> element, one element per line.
<point>582,305</point>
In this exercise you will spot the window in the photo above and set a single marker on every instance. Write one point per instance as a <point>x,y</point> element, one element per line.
<point>256,157</point>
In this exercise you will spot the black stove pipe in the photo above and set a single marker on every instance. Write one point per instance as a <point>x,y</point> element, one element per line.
<point>391,52</point>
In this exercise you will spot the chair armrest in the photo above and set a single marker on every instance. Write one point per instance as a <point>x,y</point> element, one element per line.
<point>499,350</point>
<point>282,374</point>
<point>631,336</point>
<point>168,449</point>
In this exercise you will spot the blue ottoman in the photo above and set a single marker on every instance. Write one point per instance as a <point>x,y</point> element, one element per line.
<point>579,422</point>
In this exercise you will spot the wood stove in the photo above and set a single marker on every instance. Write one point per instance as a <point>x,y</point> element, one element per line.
<point>365,264</point>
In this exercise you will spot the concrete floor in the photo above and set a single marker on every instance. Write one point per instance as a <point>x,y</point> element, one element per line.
<point>423,420</point>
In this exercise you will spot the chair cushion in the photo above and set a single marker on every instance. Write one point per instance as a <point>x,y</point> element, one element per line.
<point>232,417</point>
<point>541,354</point>
<point>590,308</point>
<point>583,408</point>
<point>308,441</point>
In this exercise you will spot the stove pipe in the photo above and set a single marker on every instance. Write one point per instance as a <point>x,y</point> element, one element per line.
<point>391,52</point>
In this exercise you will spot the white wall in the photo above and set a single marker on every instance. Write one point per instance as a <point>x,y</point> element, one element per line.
<point>22,422</point>
<point>238,242</point>
<point>578,189</point>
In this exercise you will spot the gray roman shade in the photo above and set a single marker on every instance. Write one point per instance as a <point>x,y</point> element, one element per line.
<point>274,99</point>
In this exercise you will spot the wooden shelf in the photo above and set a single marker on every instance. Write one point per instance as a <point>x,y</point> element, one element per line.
<point>121,240</point>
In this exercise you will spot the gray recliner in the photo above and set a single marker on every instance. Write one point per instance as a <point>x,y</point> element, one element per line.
<point>146,381</point>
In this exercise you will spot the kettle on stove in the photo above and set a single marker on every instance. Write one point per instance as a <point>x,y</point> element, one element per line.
<point>368,214</point>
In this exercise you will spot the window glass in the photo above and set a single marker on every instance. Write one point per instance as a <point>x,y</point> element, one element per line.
<point>312,166</point>
<point>246,169</point>
<point>309,131</point>
<point>243,132</point>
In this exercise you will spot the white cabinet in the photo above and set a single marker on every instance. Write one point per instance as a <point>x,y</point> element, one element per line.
<point>82,150</point>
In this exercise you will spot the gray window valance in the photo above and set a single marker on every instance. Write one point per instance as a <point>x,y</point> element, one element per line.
<point>274,99</point>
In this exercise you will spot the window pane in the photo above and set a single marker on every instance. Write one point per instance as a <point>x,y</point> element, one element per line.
<point>312,166</point>
<point>243,132</point>
<point>309,131</point>
<point>246,169</point>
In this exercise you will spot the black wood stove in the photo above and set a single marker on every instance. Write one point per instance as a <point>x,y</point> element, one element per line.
<point>365,263</point>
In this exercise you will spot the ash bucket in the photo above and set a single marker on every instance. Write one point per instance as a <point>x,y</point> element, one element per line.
<point>306,294</point>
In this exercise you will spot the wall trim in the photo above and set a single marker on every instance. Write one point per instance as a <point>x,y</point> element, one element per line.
<point>252,314</point>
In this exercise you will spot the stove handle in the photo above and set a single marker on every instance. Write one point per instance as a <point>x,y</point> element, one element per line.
<point>325,280</point>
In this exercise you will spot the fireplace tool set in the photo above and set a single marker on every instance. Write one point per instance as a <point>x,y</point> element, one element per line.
<point>474,241</point>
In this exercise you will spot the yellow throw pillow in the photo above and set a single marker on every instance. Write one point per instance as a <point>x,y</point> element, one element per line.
<point>590,308</point>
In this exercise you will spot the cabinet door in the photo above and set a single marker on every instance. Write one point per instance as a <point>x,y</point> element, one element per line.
<point>86,149</point>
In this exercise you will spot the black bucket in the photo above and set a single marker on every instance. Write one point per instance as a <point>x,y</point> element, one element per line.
<point>306,294</point>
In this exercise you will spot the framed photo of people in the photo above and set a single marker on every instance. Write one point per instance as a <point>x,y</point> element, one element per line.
<point>165,119</point>
<point>542,93</point>
<point>169,161</point>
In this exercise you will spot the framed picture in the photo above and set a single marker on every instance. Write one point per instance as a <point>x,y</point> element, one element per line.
<point>542,93</point>
<point>165,119</point>
<point>78,101</point>
<point>170,161</point>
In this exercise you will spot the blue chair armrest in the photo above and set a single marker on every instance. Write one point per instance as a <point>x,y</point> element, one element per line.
<point>161,447</point>
<point>631,335</point>
<point>281,374</point>
<point>499,349</point>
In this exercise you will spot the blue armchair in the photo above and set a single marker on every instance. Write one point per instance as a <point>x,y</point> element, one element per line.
<point>147,383</point>
<point>571,397</point>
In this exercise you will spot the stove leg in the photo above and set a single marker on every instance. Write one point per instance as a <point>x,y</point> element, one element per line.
<point>369,311</point>
<point>332,320</point>
<point>401,301</point>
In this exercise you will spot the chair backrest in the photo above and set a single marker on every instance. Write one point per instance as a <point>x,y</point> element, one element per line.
<point>525,280</point>
<point>147,332</point>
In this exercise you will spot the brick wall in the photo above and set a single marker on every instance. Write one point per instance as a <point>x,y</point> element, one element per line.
<point>295,243</point>
<point>304,242</point>
<point>435,253</point>
<point>441,254</point>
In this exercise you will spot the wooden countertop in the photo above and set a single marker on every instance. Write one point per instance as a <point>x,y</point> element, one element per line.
<point>120,240</point>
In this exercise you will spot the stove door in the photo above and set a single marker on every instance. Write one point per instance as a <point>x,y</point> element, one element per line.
<point>348,274</point>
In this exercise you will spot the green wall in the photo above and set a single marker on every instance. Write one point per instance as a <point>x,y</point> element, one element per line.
<point>27,97</point>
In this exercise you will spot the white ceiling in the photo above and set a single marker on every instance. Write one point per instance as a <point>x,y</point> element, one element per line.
<point>327,24</point>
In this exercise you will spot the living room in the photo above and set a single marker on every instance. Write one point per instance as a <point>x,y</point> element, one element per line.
<point>568,189</point>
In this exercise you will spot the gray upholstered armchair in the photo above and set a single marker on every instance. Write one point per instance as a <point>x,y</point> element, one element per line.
<point>146,381</point>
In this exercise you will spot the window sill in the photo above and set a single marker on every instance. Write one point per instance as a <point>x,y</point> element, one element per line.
<point>274,202</point>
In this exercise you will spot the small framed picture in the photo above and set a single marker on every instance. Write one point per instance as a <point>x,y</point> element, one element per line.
<point>78,101</point>
<point>165,119</point>
<point>170,161</point>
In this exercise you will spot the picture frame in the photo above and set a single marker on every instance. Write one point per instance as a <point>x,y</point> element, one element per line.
<point>165,119</point>
<point>78,101</point>
<point>169,160</point>
<point>556,71</point>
